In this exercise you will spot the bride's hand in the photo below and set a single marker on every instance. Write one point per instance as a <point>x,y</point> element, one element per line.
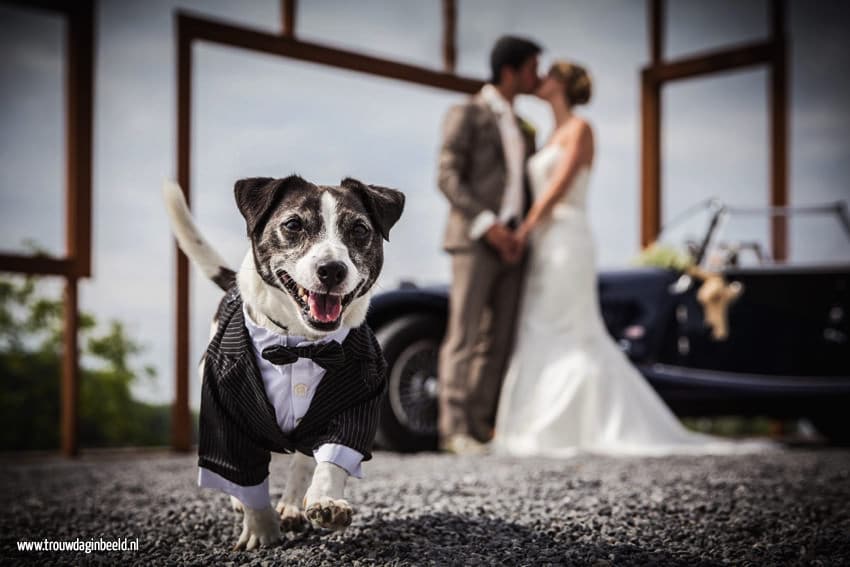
<point>522,234</point>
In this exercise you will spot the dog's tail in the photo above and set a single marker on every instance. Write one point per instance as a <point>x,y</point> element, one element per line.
<point>193,244</point>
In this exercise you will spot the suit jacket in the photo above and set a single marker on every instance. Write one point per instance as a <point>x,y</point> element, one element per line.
<point>472,167</point>
<point>237,423</point>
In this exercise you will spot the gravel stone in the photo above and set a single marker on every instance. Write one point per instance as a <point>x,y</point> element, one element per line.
<point>785,508</point>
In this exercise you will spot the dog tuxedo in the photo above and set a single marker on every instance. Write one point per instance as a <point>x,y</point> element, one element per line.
<point>265,392</point>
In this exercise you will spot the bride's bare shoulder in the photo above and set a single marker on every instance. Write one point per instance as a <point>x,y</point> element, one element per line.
<point>576,131</point>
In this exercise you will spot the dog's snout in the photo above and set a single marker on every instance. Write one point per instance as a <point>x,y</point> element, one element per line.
<point>332,273</point>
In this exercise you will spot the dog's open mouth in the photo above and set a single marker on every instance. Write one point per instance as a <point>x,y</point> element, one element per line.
<point>321,310</point>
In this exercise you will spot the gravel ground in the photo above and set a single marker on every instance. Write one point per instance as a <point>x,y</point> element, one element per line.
<point>787,508</point>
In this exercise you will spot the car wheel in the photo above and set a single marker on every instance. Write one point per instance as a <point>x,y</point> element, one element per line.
<point>411,346</point>
<point>834,427</point>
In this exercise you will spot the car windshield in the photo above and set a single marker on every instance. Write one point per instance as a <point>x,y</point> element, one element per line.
<point>717,236</point>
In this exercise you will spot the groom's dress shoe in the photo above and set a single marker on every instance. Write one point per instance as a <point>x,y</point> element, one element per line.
<point>460,444</point>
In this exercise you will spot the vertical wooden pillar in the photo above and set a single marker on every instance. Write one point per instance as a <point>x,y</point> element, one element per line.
<point>181,428</point>
<point>779,131</point>
<point>650,93</point>
<point>79,49</point>
<point>656,31</point>
<point>650,218</point>
<point>449,33</point>
<point>288,10</point>
<point>70,372</point>
<point>80,103</point>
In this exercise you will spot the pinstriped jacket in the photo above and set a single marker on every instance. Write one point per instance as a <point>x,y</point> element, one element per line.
<point>238,429</point>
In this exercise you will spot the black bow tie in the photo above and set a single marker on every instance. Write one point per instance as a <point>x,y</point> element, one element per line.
<point>327,355</point>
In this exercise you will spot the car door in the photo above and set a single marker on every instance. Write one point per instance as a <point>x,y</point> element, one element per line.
<point>788,321</point>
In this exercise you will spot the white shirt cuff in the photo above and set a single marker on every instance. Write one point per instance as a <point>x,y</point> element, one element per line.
<point>256,497</point>
<point>481,224</point>
<point>342,456</point>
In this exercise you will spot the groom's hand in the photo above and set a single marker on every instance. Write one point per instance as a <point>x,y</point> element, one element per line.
<point>514,252</point>
<point>503,240</point>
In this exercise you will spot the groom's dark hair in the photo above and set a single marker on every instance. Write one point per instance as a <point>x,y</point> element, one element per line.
<point>510,51</point>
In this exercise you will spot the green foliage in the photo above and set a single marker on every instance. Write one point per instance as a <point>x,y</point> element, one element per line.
<point>30,370</point>
<point>664,256</point>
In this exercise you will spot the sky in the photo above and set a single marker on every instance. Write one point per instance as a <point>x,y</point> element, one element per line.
<point>258,115</point>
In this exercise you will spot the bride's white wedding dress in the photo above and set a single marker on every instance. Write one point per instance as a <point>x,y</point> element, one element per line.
<point>568,387</point>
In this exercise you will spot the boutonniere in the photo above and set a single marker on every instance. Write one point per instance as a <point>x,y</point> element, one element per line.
<point>527,127</point>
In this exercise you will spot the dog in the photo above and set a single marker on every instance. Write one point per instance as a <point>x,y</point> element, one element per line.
<point>315,254</point>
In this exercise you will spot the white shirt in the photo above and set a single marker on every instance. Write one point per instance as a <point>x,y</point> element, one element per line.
<point>290,389</point>
<point>514,147</point>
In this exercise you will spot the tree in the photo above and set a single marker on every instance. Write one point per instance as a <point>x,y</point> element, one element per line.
<point>30,368</point>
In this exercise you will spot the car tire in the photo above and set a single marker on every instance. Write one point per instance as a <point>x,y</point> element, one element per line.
<point>409,415</point>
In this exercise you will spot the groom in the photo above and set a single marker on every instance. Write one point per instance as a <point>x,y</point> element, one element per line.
<point>482,174</point>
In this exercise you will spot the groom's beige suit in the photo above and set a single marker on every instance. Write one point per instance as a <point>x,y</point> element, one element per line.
<point>482,173</point>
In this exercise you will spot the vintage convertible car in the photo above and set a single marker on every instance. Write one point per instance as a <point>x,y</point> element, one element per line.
<point>764,338</point>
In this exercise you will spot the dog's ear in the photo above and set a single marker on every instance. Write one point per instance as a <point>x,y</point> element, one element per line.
<point>383,204</point>
<point>257,196</point>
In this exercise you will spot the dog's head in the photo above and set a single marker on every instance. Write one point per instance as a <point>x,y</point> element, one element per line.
<point>319,247</point>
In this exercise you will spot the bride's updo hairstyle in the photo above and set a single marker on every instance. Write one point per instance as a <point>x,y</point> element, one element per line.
<point>577,84</point>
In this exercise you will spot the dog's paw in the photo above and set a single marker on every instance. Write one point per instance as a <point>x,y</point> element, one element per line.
<point>236,505</point>
<point>292,519</point>
<point>330,514</point>
<point>259,527</point>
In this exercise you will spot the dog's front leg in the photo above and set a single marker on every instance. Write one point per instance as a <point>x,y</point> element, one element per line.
<point>259,527</point>
<point>324,503</point>
<point>301,469</point>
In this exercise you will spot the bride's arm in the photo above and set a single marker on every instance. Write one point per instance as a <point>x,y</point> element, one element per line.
<point>578,152</point>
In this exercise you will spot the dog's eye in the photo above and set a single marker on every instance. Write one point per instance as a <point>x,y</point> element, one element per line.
<point>294,225</point>
<point>360,230</point>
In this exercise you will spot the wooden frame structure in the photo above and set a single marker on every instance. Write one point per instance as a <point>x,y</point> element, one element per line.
<point>660,71</point>
<point>76,264</point>
<point>191,29</point>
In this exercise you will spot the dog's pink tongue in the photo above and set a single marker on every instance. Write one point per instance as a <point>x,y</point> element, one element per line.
<point>324,307</point>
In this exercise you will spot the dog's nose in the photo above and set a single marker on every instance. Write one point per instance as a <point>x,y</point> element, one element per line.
<point>332,273</point>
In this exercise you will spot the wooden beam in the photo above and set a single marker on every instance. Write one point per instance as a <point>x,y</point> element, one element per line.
<point>70,390</point>
<point>36,265</point>
<point>656,31</point>
<point>208,30</point>
<point>650,217</point>
<point>288,11</point>
<point>449,33</point>
<point>779,132</point>
<point>746,56</point>
<point>181,427</point>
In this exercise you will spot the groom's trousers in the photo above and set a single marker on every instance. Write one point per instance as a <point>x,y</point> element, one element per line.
<point>483,305</point>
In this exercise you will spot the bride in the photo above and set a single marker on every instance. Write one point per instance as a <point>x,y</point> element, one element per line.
<point>568,387</point>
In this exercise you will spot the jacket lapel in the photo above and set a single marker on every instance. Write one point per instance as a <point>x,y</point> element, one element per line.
<point>488,131</point>
<point>241,382</point>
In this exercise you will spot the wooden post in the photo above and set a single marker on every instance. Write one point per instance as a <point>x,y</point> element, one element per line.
<point>181,430</point>
<point>656,31</point>
<point>78,164</point>
<point>779,131</point>
<point>650,219</point>
<point>78,138</point>
<point>650,94</point>
<point>288,11</point>
<point>70,372</point>
<point>449,32</point>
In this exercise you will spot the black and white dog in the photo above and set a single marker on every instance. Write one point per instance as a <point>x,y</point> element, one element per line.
<point>291,366</point>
